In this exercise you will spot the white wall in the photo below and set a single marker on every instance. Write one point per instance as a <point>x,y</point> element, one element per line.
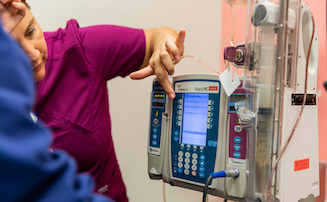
<point>129,100</point>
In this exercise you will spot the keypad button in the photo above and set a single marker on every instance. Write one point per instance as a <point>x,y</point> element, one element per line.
<point>188,147</point>
<point>193,173</point>
<point>238,128</point>
<point>180,165</point>
<point>194,162</point>
<point>186,172</point>
<point>187,166</point>
<point>237,155</point>
<point>195,155</point>
<point>180,153</point>
<point>180,159</point>
<point>187,155</point>
<point>202,157</point>
<point>187,160</point>
<point>202,163</point>
<point>209,126</point>
<point>237,140</point>
<point>194,167</point>
<point>201,174</point>
<point>154,142</point>
<point>201,169</point>
<point>180,170</point>
<point>237,147</point>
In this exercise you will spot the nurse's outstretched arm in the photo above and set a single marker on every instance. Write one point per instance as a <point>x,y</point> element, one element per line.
<point>163,46</point>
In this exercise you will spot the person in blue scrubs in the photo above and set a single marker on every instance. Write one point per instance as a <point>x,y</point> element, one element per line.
<point>28,170</point>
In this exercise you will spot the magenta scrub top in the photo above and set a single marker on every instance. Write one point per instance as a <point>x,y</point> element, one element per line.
<point>72,99</point>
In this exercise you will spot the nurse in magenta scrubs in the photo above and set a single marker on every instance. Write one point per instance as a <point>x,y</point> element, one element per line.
<point>71,68</point>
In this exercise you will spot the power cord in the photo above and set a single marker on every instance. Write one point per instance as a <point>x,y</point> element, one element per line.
<point>227,173</point>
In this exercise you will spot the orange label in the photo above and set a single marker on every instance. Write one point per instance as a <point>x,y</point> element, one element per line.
<point>301,164</point>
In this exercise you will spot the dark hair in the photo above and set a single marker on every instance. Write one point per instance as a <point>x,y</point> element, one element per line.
<point>28,6</point>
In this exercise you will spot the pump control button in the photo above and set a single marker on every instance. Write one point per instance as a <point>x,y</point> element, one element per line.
<point>238,128</point>
<point>193,173</point>
<point>202,157</point>
<point>237,147</point>
<point>201,169</point>
<point>187,166</point>
<point>155,121</point>
<point>237,155</point>
<point>194,162</point>
<point>237,140</point>
<point>186,172</point>
<point>202,163</point>
<point>201,174</point>
<point>180,170</point>
<point>195,155</point>
<point>210,120</point>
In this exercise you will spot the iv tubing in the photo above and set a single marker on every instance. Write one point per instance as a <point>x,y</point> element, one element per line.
<point>233,34</point>
<point>231,41</point>
<point>198,60</point>
<point>301,112</point>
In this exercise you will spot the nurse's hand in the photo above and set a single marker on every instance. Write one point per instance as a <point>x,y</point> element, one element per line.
<point>11,13</point>
<point>165,46</point>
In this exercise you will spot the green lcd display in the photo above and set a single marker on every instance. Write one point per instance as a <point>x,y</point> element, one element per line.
<point>237,98</point>
<point>159,95</point>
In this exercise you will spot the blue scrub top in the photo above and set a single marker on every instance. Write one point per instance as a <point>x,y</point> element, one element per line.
<point>28,171</point>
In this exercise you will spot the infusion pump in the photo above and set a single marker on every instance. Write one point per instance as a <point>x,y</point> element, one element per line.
<point>196,134</point>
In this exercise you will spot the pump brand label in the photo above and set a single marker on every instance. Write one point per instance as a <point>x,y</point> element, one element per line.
<point>236,162</point>
<point>197,87</point>
<point>301,165</point>
<point>153,150</point>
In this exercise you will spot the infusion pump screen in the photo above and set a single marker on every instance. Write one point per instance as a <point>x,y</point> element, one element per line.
<point>195,116</point>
